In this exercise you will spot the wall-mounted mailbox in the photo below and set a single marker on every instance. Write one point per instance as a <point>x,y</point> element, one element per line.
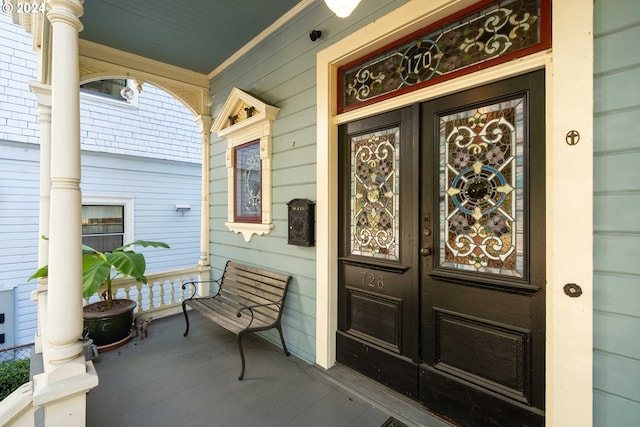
<point>301,222</point>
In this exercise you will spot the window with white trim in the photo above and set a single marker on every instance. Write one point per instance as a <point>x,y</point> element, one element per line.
<point>247,122</point>
<point>107,223</point>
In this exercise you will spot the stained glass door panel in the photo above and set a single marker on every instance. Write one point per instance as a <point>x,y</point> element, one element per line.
<point>482,287</point>
<point>481,182</point>
<point>375,177</point>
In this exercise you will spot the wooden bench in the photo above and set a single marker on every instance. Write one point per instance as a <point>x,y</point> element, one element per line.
<point>247,299</point>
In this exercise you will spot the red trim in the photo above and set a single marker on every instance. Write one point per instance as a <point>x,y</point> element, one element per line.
<point>545,43</point>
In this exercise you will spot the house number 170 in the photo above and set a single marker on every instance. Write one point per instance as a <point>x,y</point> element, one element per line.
<point>371,280</point>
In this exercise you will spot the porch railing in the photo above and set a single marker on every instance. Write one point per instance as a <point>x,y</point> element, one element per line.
<point>162,295</point>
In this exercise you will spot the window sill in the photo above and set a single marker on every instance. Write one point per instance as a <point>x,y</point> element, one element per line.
<point>248,229</point>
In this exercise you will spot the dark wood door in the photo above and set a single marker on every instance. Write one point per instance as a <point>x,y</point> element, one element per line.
<point>483,254</point>
<point>442,255</point>
<point>378,322</point>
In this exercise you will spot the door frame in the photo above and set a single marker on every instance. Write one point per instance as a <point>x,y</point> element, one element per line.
<point>569,106</point>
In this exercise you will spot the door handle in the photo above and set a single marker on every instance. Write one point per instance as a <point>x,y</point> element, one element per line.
<point>425,251</point>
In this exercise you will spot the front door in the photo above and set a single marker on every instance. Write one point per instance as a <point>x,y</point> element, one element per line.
<point>442,254</point>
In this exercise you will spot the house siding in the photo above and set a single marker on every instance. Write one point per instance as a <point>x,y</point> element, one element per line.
<point>150,153</point>
<point>155,217</point>
<point>616,362</point>
<point>282,72</point>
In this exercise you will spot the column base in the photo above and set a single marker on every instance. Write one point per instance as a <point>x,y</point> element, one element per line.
<point>45,392</point>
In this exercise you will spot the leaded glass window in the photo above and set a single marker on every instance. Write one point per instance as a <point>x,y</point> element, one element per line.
<point>482,175</point>
<point>375,161</point>
<point>248,183</point>
<point>495,33</point>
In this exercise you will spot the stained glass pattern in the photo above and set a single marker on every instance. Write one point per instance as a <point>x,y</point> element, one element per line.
<point>500,29</point>
<point>374,194</point>
<point>481,187</point>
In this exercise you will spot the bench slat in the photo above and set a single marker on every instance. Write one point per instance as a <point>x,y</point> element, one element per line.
<point>267,314</point>
<point>275,278</point>
<point>247,293</point>
<point>275,288</point>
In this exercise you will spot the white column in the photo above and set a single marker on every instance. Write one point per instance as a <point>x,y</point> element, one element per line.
<point>204,122</point>
<point>65,257</point>
<point>62,388</point>
<point>43,94</point>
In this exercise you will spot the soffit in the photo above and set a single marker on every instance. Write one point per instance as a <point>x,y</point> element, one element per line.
<point>197,35</point>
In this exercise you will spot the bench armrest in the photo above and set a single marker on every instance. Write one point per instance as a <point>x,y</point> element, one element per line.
<point>194,286</point>
<point>250,308</point>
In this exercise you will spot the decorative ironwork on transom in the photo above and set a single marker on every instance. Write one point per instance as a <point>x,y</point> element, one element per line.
<point>479,37</point>
<point>375,161</point>
<point>482,157</point>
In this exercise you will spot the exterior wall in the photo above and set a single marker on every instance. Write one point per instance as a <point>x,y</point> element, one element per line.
<point>616,361</point>
<point>282,72</point>
<point>150,153</point>
<point>264,73</point>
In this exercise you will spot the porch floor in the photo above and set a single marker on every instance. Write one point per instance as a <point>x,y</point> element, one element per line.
<point>169,380</point>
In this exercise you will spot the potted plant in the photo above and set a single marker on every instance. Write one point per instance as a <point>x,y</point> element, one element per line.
<point>108,322</point>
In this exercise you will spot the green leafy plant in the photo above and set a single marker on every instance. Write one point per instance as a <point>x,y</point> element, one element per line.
<point>13,374</point>
<point>101,268</point>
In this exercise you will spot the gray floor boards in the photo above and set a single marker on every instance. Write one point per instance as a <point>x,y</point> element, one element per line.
<point>169,380</point>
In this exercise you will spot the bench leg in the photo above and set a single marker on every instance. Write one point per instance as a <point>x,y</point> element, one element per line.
<point>284,346</point>
<point>186,317</point>
<point>239,340</point>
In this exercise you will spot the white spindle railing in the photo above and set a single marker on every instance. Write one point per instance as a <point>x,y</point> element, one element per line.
<point>161,296</point>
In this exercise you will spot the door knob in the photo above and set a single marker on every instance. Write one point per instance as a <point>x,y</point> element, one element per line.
<point>425,251</point>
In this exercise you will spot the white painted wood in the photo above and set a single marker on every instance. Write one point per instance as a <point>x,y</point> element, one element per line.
<point>16,410</point>
<point>65,310</point>
<point>569,218</point>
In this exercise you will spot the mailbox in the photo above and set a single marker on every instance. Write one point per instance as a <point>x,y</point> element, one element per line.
<point>301,222</point>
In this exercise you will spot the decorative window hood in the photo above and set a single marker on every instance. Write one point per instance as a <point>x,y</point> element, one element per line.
<point>243,119</point>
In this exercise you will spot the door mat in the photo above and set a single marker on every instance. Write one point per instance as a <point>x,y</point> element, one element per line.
<point>392,422</point>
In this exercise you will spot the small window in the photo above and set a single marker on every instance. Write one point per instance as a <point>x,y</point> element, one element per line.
<point>114,89</point>
<point>103,227</point>
<point>248,182</point>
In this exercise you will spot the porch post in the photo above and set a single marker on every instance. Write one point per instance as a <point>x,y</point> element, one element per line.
<point>62,388</point>
<point>43,94</point>
<point>204,264</point>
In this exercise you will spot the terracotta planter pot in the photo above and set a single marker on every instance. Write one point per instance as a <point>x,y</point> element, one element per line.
<point>108,327</point>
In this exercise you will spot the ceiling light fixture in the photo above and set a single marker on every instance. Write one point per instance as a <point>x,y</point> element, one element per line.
<point>342,8</point>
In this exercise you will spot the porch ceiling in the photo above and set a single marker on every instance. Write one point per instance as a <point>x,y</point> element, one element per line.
<point>197,35</point>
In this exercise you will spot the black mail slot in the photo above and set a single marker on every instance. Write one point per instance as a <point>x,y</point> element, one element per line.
<point>301,222</point>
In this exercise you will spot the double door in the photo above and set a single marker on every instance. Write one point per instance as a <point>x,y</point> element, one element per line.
<point>442,252</point>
